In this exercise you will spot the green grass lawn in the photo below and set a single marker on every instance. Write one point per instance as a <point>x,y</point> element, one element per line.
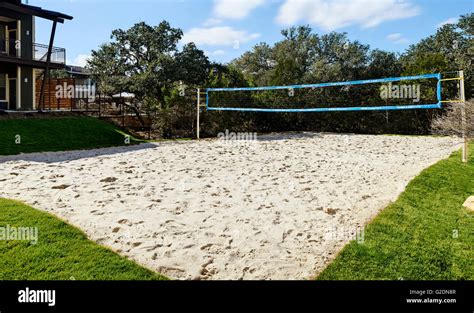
<point>62,252</point>
<point>425,235</point>
<point>58,134</point>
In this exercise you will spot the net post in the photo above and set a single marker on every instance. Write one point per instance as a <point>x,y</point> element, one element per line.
<point>463,118</point>
<point>439,91</point>
<point>198,109</point>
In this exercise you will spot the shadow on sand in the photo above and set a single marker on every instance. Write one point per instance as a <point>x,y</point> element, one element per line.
<point>293,135</point>
<point>64,156</point>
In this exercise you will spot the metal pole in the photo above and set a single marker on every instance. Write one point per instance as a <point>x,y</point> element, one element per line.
<point>49,92</point>
<point>48,63</point>
<point>463,118</point>
<point>198,117</point>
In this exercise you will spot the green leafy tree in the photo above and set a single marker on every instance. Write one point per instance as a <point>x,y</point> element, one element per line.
<point>107,70</point>
<point>257,65</point>
<point>383,64</point>
<point>338,59</point>
<point>223,76</point>
<point>58,74</point>
<point>192,65</point>
<point>145,60</point>
<point>425,63</point>
<point>450,49</point>
<point>294,55</point>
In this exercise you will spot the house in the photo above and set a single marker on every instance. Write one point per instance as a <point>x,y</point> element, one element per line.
<point>22,60</point>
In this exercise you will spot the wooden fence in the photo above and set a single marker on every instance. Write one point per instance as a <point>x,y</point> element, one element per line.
<point>114,110</point>
<point>51,102</point>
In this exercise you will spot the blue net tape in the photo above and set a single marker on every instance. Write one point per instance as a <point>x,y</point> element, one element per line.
<point>334,109</point>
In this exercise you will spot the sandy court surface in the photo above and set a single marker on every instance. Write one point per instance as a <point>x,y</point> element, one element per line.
<point>280,207</point>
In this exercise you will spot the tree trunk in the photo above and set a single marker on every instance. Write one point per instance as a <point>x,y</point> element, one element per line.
<point>137,113</point>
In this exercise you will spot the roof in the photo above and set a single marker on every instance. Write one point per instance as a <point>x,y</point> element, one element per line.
<point>17,6</point>
<point>77,70</point>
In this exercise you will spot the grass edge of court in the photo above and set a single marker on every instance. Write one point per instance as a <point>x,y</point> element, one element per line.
<point>393,241</point>
<point>60,134</point>
<point>63,251</point>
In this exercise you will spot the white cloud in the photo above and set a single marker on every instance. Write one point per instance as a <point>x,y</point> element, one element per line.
<point>218,36</point>
<point>235,9</point>
<point>451,20</point>
<point>212,34</point>
<point>331,15</point>
<point>211,22</point>
<point>215,53</point>
<point>397,38</point>
<point>80,60</point>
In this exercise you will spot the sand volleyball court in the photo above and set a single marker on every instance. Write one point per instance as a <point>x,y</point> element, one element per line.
<point>280,207</point>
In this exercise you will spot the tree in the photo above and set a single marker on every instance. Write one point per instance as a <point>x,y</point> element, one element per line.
<point>383,64</point>
<point>338,58</point>
<point>425,63</point>
<point>107,70</point>
<point>145,60</point>
<point>146,53</point>
<point>294,55</point>
<point>257,65</point>
<point>192,65</point>
<point>224,76</point>
<point>58,74</point>
<point>450,49</point>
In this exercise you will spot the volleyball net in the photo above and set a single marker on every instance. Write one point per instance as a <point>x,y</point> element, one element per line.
<point>395,93</point>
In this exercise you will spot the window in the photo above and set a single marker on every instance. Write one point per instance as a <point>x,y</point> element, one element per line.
<point>3,39</point>
<point>3,87</point>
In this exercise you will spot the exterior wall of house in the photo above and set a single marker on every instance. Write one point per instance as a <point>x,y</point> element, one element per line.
<point>2,32</point>
<point>24,75</point>
<point>26,82</point>
<point>27,92</point>
<point>26,33</point>
<point>8,72</point>
<point>3,91</point>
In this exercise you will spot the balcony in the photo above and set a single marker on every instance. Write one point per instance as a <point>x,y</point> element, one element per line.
<point>12,49</point>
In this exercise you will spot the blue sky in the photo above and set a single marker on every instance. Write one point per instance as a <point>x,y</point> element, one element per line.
<point>225,29</point>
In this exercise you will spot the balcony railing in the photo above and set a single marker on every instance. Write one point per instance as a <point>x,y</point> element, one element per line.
<point>12,48</point>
